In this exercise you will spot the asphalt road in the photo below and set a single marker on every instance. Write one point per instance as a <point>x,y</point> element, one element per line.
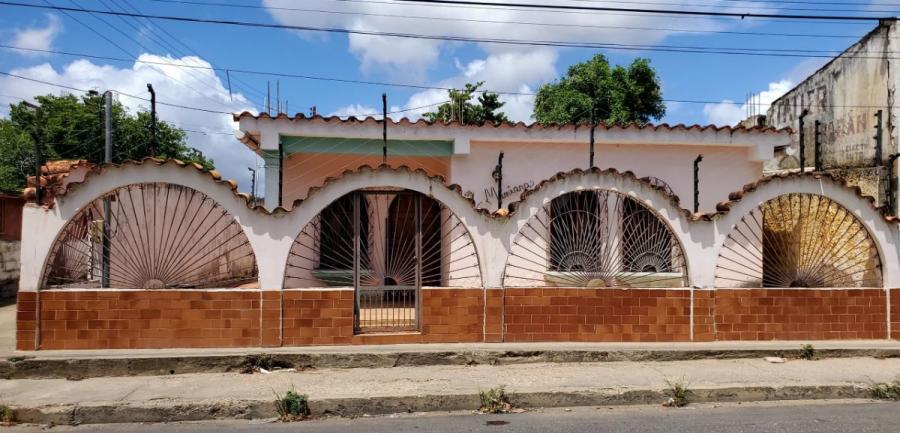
<point>796,417</point>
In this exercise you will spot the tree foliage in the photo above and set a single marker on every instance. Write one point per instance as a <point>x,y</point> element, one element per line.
<point>73,128</point>
<point>487,110</point>
<point>618,94</point>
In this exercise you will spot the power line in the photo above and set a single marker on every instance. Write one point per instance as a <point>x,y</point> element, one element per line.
<point>741,15</point>
<point>627,47</point>
<point>348,81</point>
<point>484,21</point>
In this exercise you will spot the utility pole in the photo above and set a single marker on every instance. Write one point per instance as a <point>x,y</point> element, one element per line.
<point>593,127</point>
<point>803,114</point>
<point>697,183</point>
<point>107,158</point>
<point>252,184</point>
<point>153,142</point>
<point>312,111</point>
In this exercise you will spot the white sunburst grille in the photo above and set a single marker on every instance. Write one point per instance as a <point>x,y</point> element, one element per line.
<point>151,236</point>
<point>595,238</point>
<point>799,240</point>
<point>386,244</point>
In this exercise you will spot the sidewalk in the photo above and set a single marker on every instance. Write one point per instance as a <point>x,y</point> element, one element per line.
<point>429,388</point>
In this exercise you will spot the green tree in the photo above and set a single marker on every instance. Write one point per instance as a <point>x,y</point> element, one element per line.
<point>73,128</point>
<point>617,94</point>
<point>487,110</point>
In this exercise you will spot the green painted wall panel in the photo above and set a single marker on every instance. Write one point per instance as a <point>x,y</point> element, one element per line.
<point>366,146</point>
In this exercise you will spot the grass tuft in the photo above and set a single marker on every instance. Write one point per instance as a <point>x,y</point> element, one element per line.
<point>292,406</point>
<point>679,393</point>
<point>808,352</point>
<point>886,391</point>
<point>495,400</point>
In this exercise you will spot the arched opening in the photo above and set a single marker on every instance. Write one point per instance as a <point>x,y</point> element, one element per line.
<point>151,236</point>
<point>595,238</point>
<point>799,240</point>
<point>387,244</point>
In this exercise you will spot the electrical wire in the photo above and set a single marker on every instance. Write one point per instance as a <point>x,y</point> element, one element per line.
<point>528,23</point>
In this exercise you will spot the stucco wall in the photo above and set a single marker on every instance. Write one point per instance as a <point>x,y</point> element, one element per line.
<point>723,169</point>
<point>844,97</point>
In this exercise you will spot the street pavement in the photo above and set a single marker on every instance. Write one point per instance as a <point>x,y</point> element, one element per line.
<point>850,416</point>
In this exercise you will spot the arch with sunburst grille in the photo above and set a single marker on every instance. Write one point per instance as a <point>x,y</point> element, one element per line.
<point>595,238</point>
<point>799,240</point>
<point>387,244</point>
<point>151,236</point>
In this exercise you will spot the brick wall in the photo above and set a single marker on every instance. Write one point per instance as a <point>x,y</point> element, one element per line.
<point>248,318</point>
<point>895,314</point>
<point>597,315</point>
<point>141,319</point>
<point>800,314</point>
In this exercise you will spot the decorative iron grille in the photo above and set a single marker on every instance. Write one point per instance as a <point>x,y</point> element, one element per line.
<point>799,240</point>
<point>151,236</point>
<point>595,238</point>
<point>387,245</point>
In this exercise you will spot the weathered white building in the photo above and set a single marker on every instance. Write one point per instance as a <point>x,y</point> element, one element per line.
<point>845,98</point>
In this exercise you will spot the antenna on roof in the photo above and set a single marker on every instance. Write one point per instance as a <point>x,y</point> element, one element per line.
<point>384,120</point>
<point>268,97</point>
<point>278,94</point>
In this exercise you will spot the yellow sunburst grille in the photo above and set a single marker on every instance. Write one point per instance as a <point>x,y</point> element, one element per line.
<point>799,240</point>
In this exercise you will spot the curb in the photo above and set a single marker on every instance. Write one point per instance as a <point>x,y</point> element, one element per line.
<point>157,412</point>
<point>83,368</point>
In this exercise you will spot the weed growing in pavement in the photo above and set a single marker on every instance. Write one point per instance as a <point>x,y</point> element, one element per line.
<point>7,416</point>
<point>679,393</point>
<point>495,400</point>
<point>808,352</point>
<point>886,391</point>
<point>292,406</point>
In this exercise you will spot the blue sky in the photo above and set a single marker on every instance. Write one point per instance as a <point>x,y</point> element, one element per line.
<point>685,76</point>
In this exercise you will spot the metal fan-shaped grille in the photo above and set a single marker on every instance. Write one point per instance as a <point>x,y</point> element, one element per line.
<point>799,240</point>
<point>386,244</point>
<point>595,238</point>
<point>152,236</point>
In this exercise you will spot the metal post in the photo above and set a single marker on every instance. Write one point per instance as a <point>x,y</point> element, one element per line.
<point>803,141</point>
<point>697,183</point>
<point>892,202</point>
<point>498,176</point>
<point>153,143</point>
<point>252,184</point>
<point>818,148</point>
<point>879,133</point>
<point>107,158</point>
<point>593,127</point>
<point>37,135</point>
<point>280,173</point>
<point>384,120</point>
<point>356,197</point>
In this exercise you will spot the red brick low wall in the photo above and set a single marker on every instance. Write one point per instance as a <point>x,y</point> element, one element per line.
<point>800,314</point>
<point>247,318</point>
<point>140,319</point>
<point>597,315</point>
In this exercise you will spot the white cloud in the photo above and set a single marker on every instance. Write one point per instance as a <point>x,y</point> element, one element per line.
<point>356,110</point>
<point>37,38</point>
<point>519,72</point>
<point>728,112</point>
<point>184,86</point>
<point>413,56</point>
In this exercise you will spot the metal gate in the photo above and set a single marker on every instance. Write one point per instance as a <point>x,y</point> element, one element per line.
<point>388,247</point>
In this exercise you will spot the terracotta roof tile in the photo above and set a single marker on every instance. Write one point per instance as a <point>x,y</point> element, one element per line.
<point>511,125</point>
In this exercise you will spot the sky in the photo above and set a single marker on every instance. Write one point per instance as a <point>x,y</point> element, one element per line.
<point>101,52</point>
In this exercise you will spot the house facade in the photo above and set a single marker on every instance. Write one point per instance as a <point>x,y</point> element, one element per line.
<point>375,234</point>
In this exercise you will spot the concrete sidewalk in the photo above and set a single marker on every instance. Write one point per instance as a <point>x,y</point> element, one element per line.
<point>429,388</point>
